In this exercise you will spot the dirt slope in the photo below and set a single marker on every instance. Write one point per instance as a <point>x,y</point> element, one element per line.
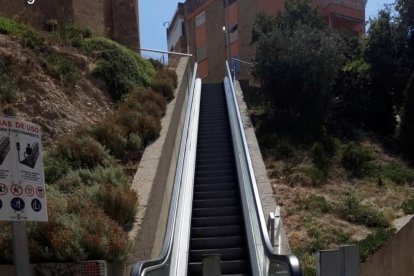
<point>43,99</point>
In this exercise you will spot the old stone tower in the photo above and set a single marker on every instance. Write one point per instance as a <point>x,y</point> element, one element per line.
<point>115,19</point>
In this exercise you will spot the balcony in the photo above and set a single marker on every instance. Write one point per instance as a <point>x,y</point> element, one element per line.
<point>352,4</point>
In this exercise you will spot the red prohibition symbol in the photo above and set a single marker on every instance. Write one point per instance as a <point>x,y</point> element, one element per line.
<point>29,191</point>
<point>16,189</point>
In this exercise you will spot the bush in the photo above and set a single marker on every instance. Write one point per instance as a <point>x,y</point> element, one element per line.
<point>25,33</point>
<point>55,167</point>
<point>284,150</point>
<point>374,241</point>
<point>149,128</point>
<point>158,65</point>
<point>164,87</point>
<point>63,69</point>
<point>71,34</point>
<point>407,121</point>
<point>6,254</point>
<point>82,152</point>
<point>103,238</point>
<point>353,211</point>
<point>397,173</point>
<point>320,159</point>
<point>314,203</point>
<point>142,95</point>
<point>112,135</point>
<point>50,25</point>
<point>356,158</point>
<point>7,88</point>
<point>408,206</point>
<point>119,67</point>
<point>119,203</point>
<point>134,142</point>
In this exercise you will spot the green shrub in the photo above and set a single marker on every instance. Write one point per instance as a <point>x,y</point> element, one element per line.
<point>142,95</point>
<point>25,33</point>
<point>71,34</point>
<point>7,88</point>
<point>406,136</point>
<point>6,254</point>
<point>55,167</point>
<point>151,108</point>
<point>134,142</point>
<point>284,149</point>
<point>353,211</point>
<point>149,128</point>
<point>314,203</point>
<point>82,152</point>
<point>156,64</point>
<point>374,241</point>
<point>63,69</point>
<point>397,173</point>
<point>50,25</point>
<point>119,203</point>
<point>112,135</point>
<point>408,206</point>
<point>320,159</point>
<point>119,67</point>
<point>113,175</point>
<point>10,110</point>
<point>164,87</point>
<point>356,158</point>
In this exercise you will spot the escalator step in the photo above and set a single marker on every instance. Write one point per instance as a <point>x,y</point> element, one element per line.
<point>216,231</point>
<point>214,173</point>
<point>216,221</point>
<point>214,187</point>
<point>214,179</point>
<point>227,267</point>
<point>212,212</point>
<point>216,242</point>
<point>215,195</point>
<point>225,254</point>
<point>219,202</point>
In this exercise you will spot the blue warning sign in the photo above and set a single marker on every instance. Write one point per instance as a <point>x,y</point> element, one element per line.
<point>36,205</point>
<point>17,204</point>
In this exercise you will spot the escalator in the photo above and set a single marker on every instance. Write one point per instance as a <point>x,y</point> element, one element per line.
<point>217,225</point>
<point>215,210</point>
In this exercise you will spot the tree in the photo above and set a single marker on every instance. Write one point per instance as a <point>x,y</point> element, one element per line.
<point>407,121</point>
<point>380,53</point>
<point>296,61</point>
<point>351,92</point>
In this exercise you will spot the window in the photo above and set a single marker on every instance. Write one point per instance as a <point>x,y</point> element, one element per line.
<point>234,33</point>
<point>201,52</point>
<point>200,19</point>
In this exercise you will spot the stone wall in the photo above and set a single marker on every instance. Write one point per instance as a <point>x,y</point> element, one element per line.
<point>395,257</point>
<point>115,19</point>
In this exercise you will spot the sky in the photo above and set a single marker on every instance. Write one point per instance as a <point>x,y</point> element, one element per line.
<point>155,16</point>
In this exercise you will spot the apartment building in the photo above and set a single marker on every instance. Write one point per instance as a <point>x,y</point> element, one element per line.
<point>216,30</point>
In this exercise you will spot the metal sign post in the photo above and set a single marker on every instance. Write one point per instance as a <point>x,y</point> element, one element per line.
<point>22,184</point>
<point>20,248</point>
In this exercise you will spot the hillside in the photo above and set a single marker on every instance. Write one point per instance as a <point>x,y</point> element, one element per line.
<point>43,99</point>
<point>99,105</point>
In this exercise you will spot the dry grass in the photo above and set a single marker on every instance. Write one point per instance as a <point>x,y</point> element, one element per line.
<point>310,229</point>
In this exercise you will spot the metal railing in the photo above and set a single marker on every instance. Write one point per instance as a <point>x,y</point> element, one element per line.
<point>184,170</point>
<point>265,260</point>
